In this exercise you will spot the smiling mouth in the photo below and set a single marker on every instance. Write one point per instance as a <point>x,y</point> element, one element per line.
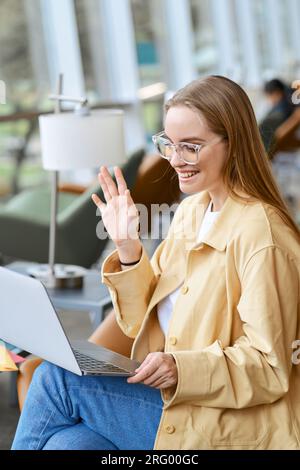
<point>187,175</point>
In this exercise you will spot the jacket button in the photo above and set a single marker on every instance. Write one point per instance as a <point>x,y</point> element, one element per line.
<point>170,429</point>
<point>173,340</point>
<point>184,289</point>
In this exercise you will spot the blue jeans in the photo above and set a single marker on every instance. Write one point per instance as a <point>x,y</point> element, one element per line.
<point>64,411</point>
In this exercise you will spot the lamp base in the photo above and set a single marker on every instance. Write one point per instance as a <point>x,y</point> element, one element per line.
<point>66,276</point>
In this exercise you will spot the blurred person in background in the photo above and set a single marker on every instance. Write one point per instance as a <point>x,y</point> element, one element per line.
<point>278,95</point>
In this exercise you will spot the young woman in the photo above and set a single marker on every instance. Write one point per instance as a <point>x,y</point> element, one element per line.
<point>214,314</point>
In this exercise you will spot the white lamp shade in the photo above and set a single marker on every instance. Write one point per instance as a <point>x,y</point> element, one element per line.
<point>70,141</point>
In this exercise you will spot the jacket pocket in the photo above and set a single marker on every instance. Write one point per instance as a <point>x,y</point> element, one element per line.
<point>233,428</point>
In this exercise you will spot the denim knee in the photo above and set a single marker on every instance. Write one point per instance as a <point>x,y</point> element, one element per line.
<point>53,376</point>
<point>47,373</point>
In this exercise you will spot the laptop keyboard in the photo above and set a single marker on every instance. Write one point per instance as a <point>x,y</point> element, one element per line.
<point>88,364</point>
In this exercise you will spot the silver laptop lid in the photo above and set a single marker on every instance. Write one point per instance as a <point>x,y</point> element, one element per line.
<point>28,320</point>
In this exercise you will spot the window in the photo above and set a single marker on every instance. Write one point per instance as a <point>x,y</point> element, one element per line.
<point>23,68</point>
<point>206,51</point>
<point>148,39</point>
<point>23,63</point>
<point>92,45</point>
<point>150,70</point>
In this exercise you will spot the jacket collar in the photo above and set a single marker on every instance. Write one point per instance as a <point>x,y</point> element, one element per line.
<point>220,233</point>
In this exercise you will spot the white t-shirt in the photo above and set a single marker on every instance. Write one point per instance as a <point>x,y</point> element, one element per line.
<point>166,305</point>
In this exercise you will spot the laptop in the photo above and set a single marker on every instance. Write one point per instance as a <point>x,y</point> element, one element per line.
<point>29,320</point>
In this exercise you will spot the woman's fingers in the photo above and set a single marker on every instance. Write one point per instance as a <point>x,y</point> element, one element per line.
<point>130,201</point>
<point>158,383</point>
<point>118,211</point>
<point>122,186</point>
<point>157,376</point>
<point>144,363</point>
<point>104,187</point>
<point>96,199</point>
<point>110,184</point>
<point>145,372</point>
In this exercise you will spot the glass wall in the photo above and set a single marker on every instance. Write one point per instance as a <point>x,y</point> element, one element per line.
<point>148,35</point>
<point>92,45</point>
<point>23,64</point>
<point>23,68</point>
<point>205,44</point>
<point>150,69</point>
<point>262,17</point>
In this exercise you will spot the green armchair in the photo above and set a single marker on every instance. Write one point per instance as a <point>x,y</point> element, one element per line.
<point>24,223</point>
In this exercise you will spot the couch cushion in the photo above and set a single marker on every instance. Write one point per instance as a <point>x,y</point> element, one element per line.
<point>34,204</point>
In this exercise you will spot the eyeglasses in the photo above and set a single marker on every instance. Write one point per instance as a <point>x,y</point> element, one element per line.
<point>187,152</point>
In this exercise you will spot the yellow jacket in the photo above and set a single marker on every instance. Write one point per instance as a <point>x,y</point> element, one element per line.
<point>232,329</point>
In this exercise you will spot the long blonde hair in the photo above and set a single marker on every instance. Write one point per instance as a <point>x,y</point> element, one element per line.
<point>229,113</point>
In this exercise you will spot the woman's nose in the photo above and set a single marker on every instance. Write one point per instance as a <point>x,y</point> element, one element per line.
<point>175,159</point>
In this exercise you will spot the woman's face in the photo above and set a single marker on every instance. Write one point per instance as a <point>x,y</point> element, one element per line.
<point>182,124</point>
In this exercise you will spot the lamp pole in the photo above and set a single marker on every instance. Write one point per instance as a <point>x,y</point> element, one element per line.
<point>54,194</point>
<point>57,98</point>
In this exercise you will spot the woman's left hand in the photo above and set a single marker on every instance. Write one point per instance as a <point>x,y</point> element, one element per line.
<point>158,370</point>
